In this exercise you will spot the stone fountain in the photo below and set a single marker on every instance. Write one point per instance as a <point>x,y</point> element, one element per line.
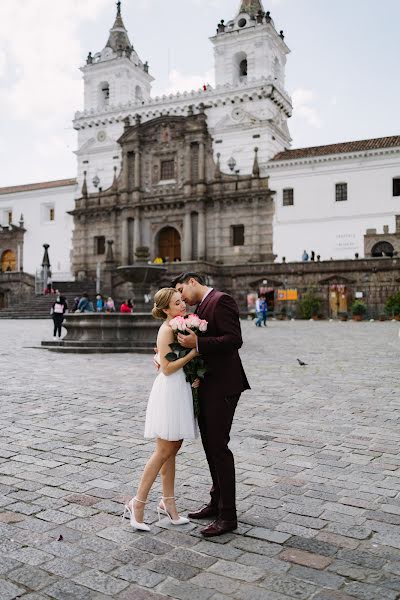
<point>91,333</point>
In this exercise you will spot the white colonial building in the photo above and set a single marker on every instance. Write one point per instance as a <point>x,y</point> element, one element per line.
<point>325,199</point>
<point>42,208</point>
<point>328,196</point>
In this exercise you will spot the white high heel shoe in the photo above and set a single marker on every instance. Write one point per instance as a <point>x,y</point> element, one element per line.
<point>130,510</point>
<point>162,510</point>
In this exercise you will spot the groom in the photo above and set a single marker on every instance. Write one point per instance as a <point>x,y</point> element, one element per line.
<point>219,393</point>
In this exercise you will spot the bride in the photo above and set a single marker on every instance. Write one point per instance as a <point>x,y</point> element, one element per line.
<point>169,418</point>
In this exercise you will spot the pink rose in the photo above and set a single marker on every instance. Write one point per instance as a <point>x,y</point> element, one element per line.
<point>203,325</point>
<point>173,324</point>
<point>193,322</point>
<point>181,323</point>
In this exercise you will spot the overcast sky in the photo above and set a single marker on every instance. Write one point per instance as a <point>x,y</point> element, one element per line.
<point>343,72</point>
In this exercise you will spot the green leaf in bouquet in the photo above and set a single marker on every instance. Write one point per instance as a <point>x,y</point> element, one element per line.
<point>171,357</point>
<point>201,373</point>
<point>175,347</point>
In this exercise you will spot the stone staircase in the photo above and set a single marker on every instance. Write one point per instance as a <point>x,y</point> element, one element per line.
<point>38,307</point>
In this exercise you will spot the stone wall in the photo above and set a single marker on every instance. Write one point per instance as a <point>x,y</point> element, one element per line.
<point>15,288</point>
<point>375,278</point>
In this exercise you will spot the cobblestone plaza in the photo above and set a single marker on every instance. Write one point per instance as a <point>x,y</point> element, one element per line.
<point>317,456</point>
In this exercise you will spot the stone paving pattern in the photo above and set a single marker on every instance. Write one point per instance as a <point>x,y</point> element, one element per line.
<point>318,470</point>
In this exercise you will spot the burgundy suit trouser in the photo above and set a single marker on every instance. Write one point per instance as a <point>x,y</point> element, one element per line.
<point>215,422</point>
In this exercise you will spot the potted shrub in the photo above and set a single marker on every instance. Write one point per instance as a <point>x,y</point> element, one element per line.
<point>358,310</point>
<point>392,306</point>
<point>309,305</point>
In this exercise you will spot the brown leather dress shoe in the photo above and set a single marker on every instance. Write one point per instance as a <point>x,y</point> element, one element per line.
<point>204,513</point>
<point>218,527</point>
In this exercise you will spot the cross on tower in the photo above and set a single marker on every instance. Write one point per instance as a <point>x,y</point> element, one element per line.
<point>118,7</point>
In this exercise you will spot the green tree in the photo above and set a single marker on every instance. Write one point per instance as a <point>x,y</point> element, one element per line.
<point>358,308</point>
<point>392,306</point>
<point>309,304</point>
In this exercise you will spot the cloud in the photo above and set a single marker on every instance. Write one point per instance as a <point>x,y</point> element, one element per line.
<point>303,100</point>
<point>43,57</point>
<point>3,63</point>
<point>180,82</point>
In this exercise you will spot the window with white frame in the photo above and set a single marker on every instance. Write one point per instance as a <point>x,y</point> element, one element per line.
<point>396,186</point>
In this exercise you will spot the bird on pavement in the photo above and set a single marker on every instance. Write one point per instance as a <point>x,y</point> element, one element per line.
<point>301,363</point>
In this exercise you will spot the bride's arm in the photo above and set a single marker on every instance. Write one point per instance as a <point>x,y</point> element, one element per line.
<point>165,338</point>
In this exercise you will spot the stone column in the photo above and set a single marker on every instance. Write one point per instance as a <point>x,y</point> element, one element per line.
<point>187,237</point>
<point>217,231</point>
<point>256,250</point>
<point>137,238</point>
<point>137,169</point>
<point>125,172</point>
<point>187,188</point>
<point>124,240</point>
<point>202,162</point>
<point>202,252</point>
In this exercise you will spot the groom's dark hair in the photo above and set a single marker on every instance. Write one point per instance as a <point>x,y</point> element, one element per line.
<point>184,278</point>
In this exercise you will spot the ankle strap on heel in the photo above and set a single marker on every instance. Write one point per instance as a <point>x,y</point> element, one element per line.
<point>168,497</point>
<point>141,501</point>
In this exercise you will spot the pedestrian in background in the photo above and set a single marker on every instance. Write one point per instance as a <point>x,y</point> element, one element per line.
<point>58,310</point>
<point>99,303</point>
<point>125,308</point>
<point>76,303</point>
<point>264,310</point>
<point>110,306</point>
<point>259,313</point>
<point>85,305</point>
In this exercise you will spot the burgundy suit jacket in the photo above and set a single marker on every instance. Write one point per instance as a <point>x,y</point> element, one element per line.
<point>219,346</point>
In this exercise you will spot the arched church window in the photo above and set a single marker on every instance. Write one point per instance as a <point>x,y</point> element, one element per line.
<point>138,93</point>
<point>104,93</point>
<point>277,69</point>
<point>240,66</point>
<point>243,68</point>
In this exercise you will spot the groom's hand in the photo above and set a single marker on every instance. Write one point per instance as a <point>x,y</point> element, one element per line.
<point>188,341</point>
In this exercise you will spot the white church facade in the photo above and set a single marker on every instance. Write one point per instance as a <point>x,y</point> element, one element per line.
<point>326,197</point>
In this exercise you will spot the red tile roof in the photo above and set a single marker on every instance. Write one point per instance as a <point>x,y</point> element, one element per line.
<point>46,185</point>
<point>340,148</point>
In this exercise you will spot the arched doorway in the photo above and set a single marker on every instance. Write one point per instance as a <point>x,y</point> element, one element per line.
<point>169,244</point>
<point>8,261</point>
<point>382,249</point>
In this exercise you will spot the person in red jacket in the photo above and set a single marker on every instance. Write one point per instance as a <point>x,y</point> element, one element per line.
<point>220,391</point>
<point>126,306</point>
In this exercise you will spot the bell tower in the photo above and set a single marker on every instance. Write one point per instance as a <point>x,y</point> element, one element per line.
<point>113,78</point>
<point>248,48</point>
<point>116,75</point>
<point>250,60</point>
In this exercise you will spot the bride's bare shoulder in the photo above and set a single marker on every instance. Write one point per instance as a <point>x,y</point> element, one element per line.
<point>165,333</point>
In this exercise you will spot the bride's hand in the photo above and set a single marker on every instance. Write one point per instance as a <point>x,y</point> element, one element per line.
<point>196,383</point>
<point>193,353</point>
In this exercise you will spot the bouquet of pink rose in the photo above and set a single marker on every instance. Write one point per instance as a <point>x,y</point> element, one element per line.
<point>196,368</point>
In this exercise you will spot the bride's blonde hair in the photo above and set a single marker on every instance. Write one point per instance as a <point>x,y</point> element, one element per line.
<point>162,300</point>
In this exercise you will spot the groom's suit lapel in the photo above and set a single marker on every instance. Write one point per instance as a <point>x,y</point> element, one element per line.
<point>200,310</point>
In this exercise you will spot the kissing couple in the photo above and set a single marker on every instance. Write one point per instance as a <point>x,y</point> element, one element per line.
<point>170,416</point>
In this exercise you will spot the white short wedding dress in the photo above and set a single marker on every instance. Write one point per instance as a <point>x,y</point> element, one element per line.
<point>170,414</point>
